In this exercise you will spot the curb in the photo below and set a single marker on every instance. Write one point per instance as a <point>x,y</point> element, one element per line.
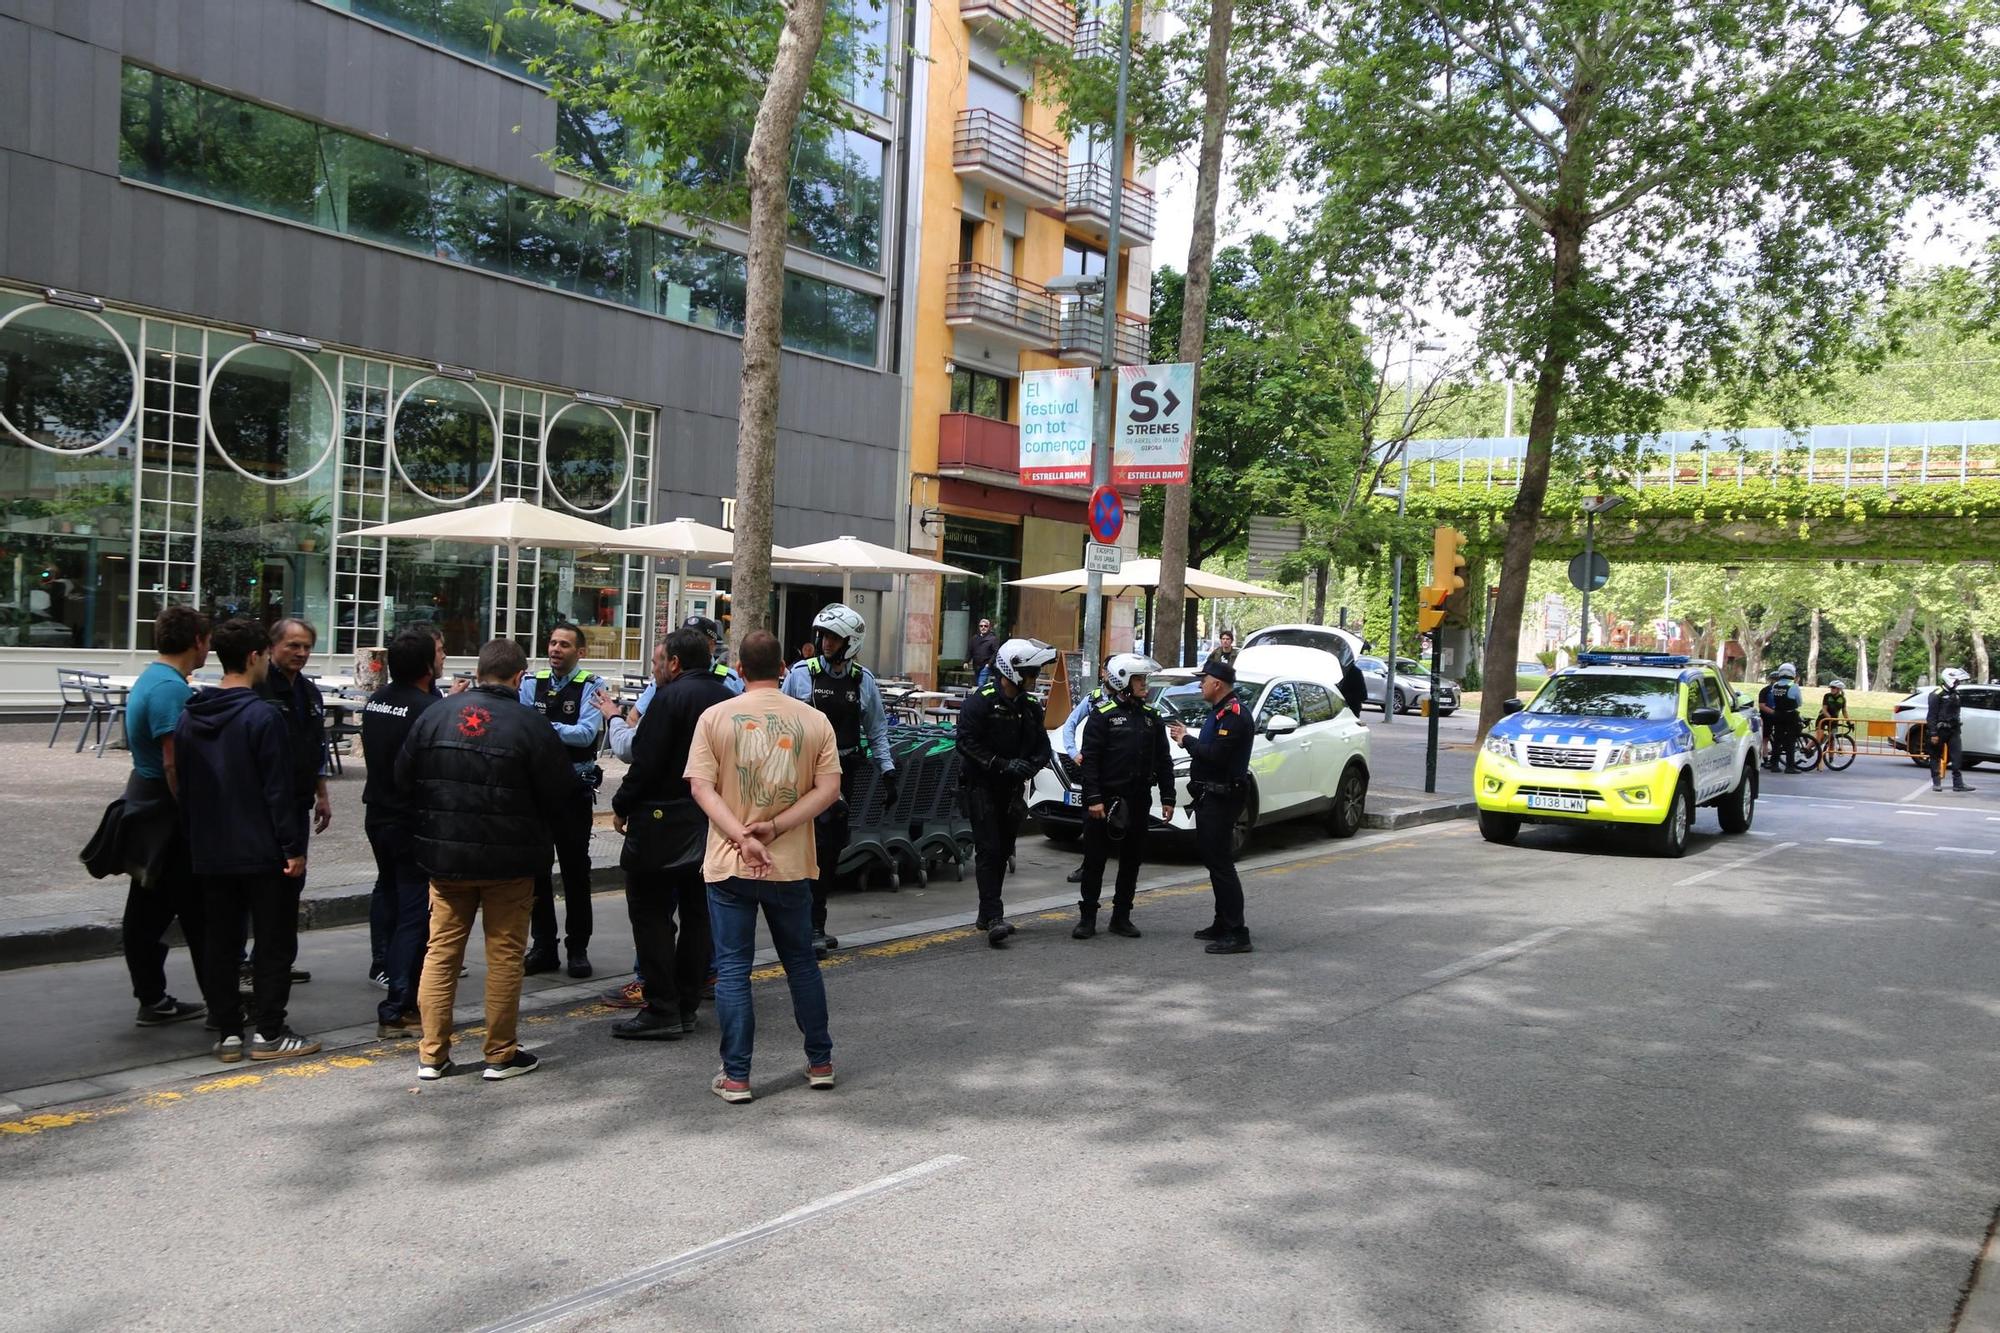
<point>77,937</point>
<point>1413,816</point>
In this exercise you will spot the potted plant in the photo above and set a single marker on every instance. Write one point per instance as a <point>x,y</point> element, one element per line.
<point>311,515</point>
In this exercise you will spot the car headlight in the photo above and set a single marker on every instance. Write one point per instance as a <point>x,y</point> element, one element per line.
<point>1503,748</point>
<point>1638,752</point>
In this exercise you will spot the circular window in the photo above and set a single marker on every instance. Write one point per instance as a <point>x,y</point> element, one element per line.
<point>68,382</point>
<point>585,457</point>
<point>270,413</point>
<point>446,440</point>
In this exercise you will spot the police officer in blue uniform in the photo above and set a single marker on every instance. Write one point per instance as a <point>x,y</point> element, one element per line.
<point>566,695</point>
<point>845,691</point>
<point>1218,777</point>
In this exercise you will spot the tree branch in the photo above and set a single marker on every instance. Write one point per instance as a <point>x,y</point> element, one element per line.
<point>1508,73</point>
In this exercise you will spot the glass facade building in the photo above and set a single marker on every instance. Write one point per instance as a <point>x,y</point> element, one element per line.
<point>145,461</point>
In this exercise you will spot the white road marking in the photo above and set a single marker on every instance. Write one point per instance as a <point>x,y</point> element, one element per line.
<point>1918,792</point>
<point>1970,851</point>
<point>1737,864</point>
<point>1858,842</point>
<point>1760,833</point>
<point>1824,804</point>
<point>1494,955</point>
<point>715,1249</point>
<point>1917,814</point>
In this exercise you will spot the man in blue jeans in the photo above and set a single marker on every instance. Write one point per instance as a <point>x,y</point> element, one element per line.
<point>385,727</point>
<point>761,766</point>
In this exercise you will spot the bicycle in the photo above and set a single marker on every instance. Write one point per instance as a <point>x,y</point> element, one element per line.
<point>1833,741</point>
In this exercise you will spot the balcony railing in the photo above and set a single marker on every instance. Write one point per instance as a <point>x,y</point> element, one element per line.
<point>1095,40</point>
<point>1087,204</point>
<point>968,441</point>
<point>1081,334</point>
<point>1000,305</point>
<point>1003,156</point>
<point>1056,19</point>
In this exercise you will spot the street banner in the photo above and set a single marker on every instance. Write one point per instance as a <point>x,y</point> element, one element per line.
<point>1153,443</point>
<point>1055,427</point>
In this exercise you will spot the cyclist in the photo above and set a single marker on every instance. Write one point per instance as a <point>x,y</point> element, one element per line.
<point>1832,710</point>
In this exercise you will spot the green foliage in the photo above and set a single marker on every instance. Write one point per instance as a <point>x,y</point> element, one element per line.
<point>1278,367</point>
<point>659,100</point>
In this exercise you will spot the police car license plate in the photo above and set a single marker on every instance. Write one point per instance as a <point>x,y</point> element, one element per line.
<point>1073,798</point>
<point>1573,805</point>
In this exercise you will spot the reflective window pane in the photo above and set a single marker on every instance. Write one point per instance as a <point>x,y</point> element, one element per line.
<point>586,463</point>
<point>64,379</point>
<point>448,584</point>
<point>266,551</point>
<point>218,147</point>
<point>374,191</point>
<point>837,197</point>
<point>696,283</point>
<point>469,214</point>
<point>444,439</point>
<point>830,320</point>
<point>65,548</point>
<point>271,413</point>
<point>871,58</point>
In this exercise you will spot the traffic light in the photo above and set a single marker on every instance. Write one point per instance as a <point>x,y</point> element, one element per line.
<point>1447,561</point>
<point>1430,609</point>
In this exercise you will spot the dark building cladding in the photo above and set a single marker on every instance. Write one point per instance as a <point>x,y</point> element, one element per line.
<point>320,168</point>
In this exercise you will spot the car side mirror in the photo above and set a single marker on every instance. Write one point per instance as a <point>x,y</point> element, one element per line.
<point>1705,717</point>
<point>1284,724</point>
<point>1746,705</point>
<point>1513,706</point>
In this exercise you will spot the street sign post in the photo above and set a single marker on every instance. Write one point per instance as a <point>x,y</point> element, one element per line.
<point>1101,559</point>
<point>1107,515</point>
<point>1152,441</point>
<point>1056,427</point>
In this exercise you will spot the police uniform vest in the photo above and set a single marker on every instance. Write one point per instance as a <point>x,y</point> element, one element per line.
<point>719,670</point>
<point>838,698</point>
<point>565,706</point>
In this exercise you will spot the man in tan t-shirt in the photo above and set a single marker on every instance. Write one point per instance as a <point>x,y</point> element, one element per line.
<point>761,766</point>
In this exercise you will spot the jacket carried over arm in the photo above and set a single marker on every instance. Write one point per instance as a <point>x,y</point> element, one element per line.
<point>477,774</point>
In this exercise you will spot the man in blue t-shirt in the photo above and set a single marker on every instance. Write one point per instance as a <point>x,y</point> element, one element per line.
<point>152,708</point>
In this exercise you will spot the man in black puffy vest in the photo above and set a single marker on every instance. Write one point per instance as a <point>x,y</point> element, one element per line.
<point>478,778</point>
<point>845,692</point>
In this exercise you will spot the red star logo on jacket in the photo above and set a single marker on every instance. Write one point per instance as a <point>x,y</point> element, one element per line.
<point>472,722</point>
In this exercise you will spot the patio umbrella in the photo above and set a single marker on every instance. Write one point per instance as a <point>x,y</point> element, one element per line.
<point>513,524</point>
<point>851,556</point>
<point>1144,575</point>
<point>684,539</point>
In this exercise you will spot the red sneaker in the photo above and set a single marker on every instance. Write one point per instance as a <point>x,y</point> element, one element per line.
<point>730,1089</point>
<point>631,995</point>
<point>819,1076</point>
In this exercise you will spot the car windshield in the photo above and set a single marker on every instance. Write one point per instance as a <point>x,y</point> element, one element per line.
<point>1652,698</point>
<point>1180,700</point>
<point>1293,638</point>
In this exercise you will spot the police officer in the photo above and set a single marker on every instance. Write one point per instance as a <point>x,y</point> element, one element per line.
<point>845,691</point>
<point>1217,775</point>
<point>1072,742</point>
<point>1002,742</point>
<point>566,695</point>
<point>1783,703</point>
<point>1942,730</point>
<point>1124,754</point>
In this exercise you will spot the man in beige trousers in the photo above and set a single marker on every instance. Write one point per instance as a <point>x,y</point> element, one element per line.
<point>477,772</point>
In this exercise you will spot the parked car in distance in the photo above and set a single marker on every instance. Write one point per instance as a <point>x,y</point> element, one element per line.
<point>1978,720</point>
<point>1530,671</point>
<point>1309,758</point>
<point>1413,685</point>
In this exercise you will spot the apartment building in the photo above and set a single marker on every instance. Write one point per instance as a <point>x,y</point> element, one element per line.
<point>1003,206</point>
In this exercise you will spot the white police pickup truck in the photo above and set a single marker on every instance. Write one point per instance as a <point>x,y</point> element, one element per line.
<point>1622,738</point>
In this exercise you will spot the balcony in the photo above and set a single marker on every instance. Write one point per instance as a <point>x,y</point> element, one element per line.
<point>968,443</point>
<point>1000,306</point>
<point>1002,156</point>
<point>1056,20</point>
<point>1080,333</point>
<point>1087,206</point>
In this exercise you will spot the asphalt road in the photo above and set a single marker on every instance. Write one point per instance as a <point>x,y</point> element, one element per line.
<point>1555,1086</point>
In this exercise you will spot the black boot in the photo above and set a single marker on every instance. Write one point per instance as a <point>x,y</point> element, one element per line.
<point>648,1025</point>
<point>540,960</point>
<point>1959,784</point>
<point>1121,924</point>
<point>1076,875</point>
<point>1236,941</point>
<point>1214,930</point>
<point>1086,928</point>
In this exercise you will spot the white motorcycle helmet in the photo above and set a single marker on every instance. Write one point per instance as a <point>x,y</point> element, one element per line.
<point>1123,668</point>
<point>842,622</point>
<point>1788,671</point>
<point>1020,660</point>
<point>1951,677</point>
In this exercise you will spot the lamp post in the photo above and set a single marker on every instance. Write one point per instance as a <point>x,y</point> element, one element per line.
<point>1402,504</point>
<point>1595,505</point>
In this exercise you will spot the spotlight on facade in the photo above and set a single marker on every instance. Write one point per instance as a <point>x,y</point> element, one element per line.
<point>74,300</point>
<point>291,340</point>
<point>451,372</point>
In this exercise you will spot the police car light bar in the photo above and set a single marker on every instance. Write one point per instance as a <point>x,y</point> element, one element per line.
<point>1612,657</point>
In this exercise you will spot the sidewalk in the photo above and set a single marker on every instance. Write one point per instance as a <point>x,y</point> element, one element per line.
<point>52,911</point>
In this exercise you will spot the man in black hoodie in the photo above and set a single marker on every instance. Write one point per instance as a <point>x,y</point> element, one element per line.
<point>479,774</point>
<point>385,724</point>
<point>232,771</point>
<point>655,809</point>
